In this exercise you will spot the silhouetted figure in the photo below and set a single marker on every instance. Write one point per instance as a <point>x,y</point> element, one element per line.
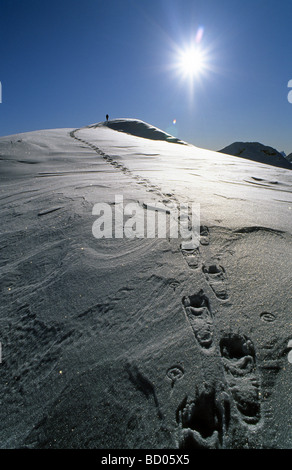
<point>106,117</point>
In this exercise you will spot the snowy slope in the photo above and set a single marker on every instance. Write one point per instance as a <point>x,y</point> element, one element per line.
<point>137,343</point>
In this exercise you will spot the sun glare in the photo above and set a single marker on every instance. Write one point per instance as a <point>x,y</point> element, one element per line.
<point>191,62</point>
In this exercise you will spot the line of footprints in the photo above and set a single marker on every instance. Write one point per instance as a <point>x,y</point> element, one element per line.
<point>238,357</point>
<point>214,273</point>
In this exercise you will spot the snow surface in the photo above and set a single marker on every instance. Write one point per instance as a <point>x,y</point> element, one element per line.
<point>136,343</point>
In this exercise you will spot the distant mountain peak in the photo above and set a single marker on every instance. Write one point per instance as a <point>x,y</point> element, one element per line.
<point>258,152</point>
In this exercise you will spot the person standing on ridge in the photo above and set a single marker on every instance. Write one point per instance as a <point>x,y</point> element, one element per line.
<point>106,117</point>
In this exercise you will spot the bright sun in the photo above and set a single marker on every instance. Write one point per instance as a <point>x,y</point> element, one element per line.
<point>191,62</point>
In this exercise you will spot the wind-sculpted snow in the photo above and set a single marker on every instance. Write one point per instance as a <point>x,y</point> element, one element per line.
<point>140,129</point>
<point>144,342</point>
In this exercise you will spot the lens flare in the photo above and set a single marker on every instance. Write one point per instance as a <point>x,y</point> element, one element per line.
<point>199,34</point>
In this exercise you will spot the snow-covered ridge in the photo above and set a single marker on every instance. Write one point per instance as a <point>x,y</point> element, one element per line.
<point>139,129</point>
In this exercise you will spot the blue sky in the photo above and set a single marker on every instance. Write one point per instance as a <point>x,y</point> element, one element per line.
<point>67,63</point>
